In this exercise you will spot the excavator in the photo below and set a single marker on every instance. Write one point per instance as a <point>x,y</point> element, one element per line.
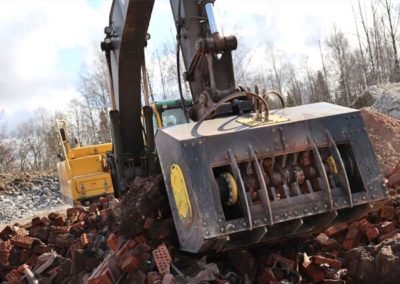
<point>236,172</point>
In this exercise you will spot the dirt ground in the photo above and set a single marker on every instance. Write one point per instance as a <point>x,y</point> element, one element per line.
<point>384,132</point>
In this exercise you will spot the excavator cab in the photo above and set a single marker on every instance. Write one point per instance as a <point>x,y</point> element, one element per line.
<point>169,113</point>
<point>236,172</point>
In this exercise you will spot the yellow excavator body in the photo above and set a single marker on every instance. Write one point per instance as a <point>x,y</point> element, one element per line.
<point>83,173</point>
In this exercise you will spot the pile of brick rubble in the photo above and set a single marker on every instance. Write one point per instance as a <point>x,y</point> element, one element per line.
<point>134,242</point>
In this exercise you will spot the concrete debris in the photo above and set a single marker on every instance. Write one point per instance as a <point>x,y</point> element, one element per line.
<point>383,98</point>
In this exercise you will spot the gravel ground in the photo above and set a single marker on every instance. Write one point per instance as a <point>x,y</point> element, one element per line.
<point>24,195</point>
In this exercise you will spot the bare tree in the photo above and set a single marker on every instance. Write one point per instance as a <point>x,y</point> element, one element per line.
<point>7,149</point>
<point>95,100</point>
<point>388,5</point>
<point>340,50</point>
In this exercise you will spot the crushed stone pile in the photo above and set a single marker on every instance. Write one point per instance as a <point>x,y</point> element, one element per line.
<point>24,194</point>
<point>384,98</point>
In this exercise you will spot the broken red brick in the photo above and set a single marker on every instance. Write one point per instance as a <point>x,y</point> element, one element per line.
<point>36,222</point>
<point>72,212</point>
<point>22,241</point>
<point>84,238</point>
<point>83,216</point>
<point>64,240</point>
<point>335,230</point>
<point>14,277</point>
<point>112,242</point>
<point>45,221</point>
<point>92,208</point>
<point>387,212</point>
<point>148,223</point>
<point>312,271</point>
<point>130,263</point>
<point>40,248</point>
<point>364,225</point>
<point>60,230</point>
<point>319,259</point>
<point>352,239</point>
<point>153,277</point>
<point>53,215</point>
<point>77,225</point>
<point>388,227</point>
<point>323,241</point>
<point>273,257</point>
<point>5,249</point>
<point>123,250</point>
<point>73,247</point>
<point>266,276</point>
<point>389,235</point>
<point>7,233</point>
<point>21,231</point>
<point>101,275</point>
<point>58,221</point>
<point>354,225</point>
<point>24,255</point>
<point>372,234</point>
<point>105,213</point>
<point>22,268</point>
<point>163,259</point>
<point>168,279</point>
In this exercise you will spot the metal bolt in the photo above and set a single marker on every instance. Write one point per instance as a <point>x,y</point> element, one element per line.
<point>207,233</point>
<point>276,217</point>
<point>325,205</point>
<point>335,204</point>
<point>244,224</point>
<point>373,195</point>
<point>286,214</point>
<point>184,144</point>
<point>364,198</point>
<point>219,220</point>
<point>204,224</point>
<point>233,227</point>
<point>295,212</point>
<point>222,229</point>
<point>345,202</point>
<point>200,142</point>
<point>316,208</point>
<point>305,210</point>
<point>265,220</point>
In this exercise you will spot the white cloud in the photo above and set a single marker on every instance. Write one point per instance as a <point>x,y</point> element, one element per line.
<point>37,39</point>
<point>45,42</point>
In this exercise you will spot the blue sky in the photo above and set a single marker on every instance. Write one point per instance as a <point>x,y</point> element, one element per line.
<point>49,42</point>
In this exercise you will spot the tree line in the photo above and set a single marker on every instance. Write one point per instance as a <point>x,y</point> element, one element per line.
<point>348,65</point>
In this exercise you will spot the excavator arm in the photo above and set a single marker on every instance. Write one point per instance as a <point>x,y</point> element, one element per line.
<point>207,58</point>
<point>124,49</point>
